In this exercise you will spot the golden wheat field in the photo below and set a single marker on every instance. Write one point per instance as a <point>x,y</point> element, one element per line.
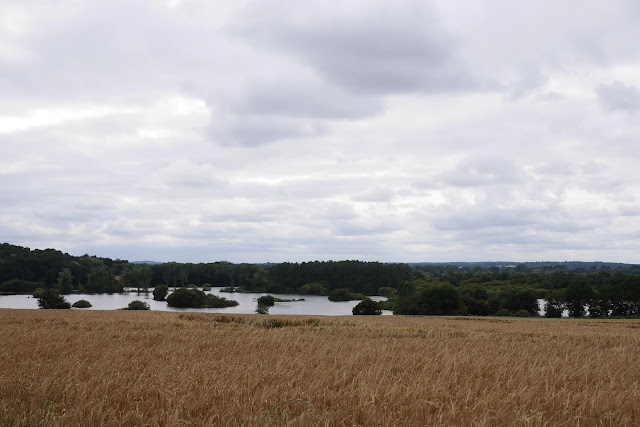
<point>127,368</point>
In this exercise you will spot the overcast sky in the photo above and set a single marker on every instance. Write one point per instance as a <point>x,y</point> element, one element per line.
<point>255,131</point>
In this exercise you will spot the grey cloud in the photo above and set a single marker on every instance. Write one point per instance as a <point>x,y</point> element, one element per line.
<point>372,49</point>
<point>474,219</point>
<point>530,80</point>
<point>251,131</point>
<point>629,210</point>
<point>618,96</point>
<point>303,96</point>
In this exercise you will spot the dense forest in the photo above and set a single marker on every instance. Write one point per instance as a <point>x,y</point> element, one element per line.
<point>579,289</point>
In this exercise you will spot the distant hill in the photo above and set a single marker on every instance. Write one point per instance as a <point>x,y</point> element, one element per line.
<point>569,265</point>
<point>147,262</point>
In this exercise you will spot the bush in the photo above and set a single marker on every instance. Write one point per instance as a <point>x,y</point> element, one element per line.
<point>160,292</point>
<point>213,301</point>
<point>206,287</point>
<point>138,305</point>
<point>503,312</point>
<point>83,303</point>
<point>38,292</point>
<point>194,298</point>
<point>367,307</point>
<point>522,313</point>
<point>262,309</point>
<point>267,301</point>
<point>50,299</point>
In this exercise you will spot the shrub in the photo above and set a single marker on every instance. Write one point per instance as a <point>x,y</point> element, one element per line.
<point>262,309</point>
<point>522,313</point>
<point>267,300</point>
<point>194,298</point>
<point>206,287</point>
<point>185,298</point>
<point>83,303</point>
<point>50,299</point>
<point>213,301</point>
<point>503,312</point>
<point>138,305</point>
<point>160,292</point>
<point>38,292</point>
<point>367,307</point>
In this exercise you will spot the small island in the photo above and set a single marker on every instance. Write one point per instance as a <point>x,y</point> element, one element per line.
<point>194,298</point>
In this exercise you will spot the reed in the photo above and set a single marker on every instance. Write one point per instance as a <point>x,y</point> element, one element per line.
<point>123,368</point>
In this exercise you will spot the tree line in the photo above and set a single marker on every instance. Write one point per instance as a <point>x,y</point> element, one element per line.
<point>451,290</point>
<point>420,289</point>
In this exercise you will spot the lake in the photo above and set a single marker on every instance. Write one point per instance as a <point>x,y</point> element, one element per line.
<point>312,304</point>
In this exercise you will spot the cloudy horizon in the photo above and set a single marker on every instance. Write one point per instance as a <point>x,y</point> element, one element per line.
<point>196,131</point>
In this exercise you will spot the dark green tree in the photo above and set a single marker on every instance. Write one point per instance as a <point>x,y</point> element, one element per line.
<point>577,295</point>
<point>439,300</point>
<point>267,300</point>
<point>600,304</point>
<point>160,292</point>
<point>65,282</point>
<point>138,305</point>
<point>367,307</point>
<point>185,298</point>
<point>521,299</point>
<point>553,308</point>
<point>406,302</point>
<point>50,299</point>
<point>194,298</point>
<point>100,279</point>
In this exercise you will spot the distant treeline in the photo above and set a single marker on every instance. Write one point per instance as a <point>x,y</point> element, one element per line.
<point>515,290</point>
<point>24,270</point>
<point>595,289</point>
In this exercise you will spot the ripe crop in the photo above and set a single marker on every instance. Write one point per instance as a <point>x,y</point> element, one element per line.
<point>127,368</point>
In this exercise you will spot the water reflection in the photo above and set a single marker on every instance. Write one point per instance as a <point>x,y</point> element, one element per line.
<point>312,304</point>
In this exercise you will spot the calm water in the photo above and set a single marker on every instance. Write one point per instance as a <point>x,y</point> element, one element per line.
<point>314,305</point>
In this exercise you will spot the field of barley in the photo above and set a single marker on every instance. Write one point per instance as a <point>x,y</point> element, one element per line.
<point>127,368</point>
